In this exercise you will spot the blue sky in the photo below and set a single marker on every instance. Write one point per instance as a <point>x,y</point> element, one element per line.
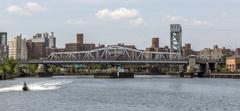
<point>204,22</point>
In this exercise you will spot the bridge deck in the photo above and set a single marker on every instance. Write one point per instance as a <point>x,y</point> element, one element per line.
<point>120,62</point>
<point>103,62</point>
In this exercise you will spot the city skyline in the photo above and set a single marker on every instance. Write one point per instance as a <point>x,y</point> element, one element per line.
<point>130,22</point>
<point>119,55</point>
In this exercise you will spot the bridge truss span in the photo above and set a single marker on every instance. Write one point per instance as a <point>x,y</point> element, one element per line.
<point>114,53</point>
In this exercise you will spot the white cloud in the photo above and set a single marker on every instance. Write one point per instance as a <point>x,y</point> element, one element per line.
<point>185,20</point>
<point>138,22</point>
<point>28,9</point>
<point>201,22</point>
<point>121,13</point>
<point>74,22</point>
<point>131,15</point>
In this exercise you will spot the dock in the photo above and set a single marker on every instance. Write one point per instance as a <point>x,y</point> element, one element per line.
<point>233,76</point>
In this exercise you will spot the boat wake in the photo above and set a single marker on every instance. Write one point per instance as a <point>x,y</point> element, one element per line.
<point>38,86</point>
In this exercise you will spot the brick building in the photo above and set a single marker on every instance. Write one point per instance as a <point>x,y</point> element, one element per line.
<point>36,50</point>
<point>79,45</point>
<point>155,46</point>
<point>187,50</point>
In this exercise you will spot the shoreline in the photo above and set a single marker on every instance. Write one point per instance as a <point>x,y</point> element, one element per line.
<point>212,75</point>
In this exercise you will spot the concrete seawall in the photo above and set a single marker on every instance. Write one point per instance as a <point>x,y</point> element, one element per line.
<point>114,75</point>
<point>220,75</point>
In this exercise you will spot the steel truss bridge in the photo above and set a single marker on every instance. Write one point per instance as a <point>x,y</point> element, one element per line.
<point>114,54</point>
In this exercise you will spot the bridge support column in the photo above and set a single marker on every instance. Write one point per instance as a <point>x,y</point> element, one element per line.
<point>216,67</point>
<point>192,66</point>
<point>147,70</point>
<point>148,66</point>
<point>192,62</point>
<point>42,71</point>
<point>207,68</point>
<point>41,68</point>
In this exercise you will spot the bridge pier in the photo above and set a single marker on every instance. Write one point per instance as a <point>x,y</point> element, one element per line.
<point>215,67</point>
<point>207,71</point>
<point>42,71</point>
<point>192,66</point>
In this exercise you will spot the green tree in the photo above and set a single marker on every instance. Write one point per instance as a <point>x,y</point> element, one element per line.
<point>72,69</point>
<point>8,67</point>
<point>52,68</point>
<point>96,66</point>
<point>2,70</point>
<point>58,69</point>
<point>32,68</point>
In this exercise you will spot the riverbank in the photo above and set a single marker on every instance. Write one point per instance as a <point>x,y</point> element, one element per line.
<point>172,75</point>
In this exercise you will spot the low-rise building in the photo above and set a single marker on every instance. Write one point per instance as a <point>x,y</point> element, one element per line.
<point>233,64</point>
<point>73,47</point>
<point>51,50</point>
<point>215,54</point>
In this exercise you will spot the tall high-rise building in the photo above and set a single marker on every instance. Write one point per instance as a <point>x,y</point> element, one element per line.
<point>48,39</point>
<point>18,48</point>
<point>52,40</point>
<point>36,50</point>
<point>41,37</point>
<point>80,38</point>
<point>24,54</point>
<point>3,38</point>
<point>38,45</point>
<point>3,45</point>
<point>155,42</point>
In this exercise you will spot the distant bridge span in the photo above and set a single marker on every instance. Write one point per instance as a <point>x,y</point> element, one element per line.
<point>114,55</point>
<point>115,62</point>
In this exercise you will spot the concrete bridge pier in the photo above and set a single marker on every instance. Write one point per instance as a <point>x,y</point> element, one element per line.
<point>215,67</point>
<point>207,71</point>
<point>192,66</point>
<point>148,68</point>
<point>42,70</point>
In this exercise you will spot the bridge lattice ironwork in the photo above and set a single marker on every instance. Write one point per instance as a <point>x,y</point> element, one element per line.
<point>114,53</point>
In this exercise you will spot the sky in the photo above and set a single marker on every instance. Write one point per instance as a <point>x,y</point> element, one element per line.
<point>204,22</point>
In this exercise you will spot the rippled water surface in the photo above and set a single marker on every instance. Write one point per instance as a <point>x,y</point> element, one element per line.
<point>143,93</point>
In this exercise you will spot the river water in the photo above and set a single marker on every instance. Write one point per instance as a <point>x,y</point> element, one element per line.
<point>143,93</point>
